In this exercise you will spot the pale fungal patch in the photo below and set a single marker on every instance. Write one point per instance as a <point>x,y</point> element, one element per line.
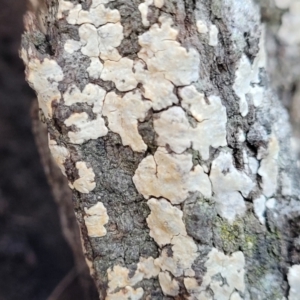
<point>123,115</point>
<point>118,277</point>
<point>259,205</point>
<point>169,286</point>
<point>247,78</point>
<point>271,203</point>
<point>286,185</point>
<point>97,15</point>
<point>227,182</point>
<point>92,94</point>
<point>159,3</point>
<point>86,181</point>
<point>283,4</point>
<point>184,254</point>
<point>231,269</point>
<point>72,46</point>
<point>269,168</point>
<point>163,54</point>
<point>213,35</point>
<point>44,78</point>
<point>95,219</point>
<point>167,227</point>
<point>143,8</point>
<point>290,24</point>
<point>127,293</point>
<point>155,87</point>
<point>253,165</point>
<point>59,154</point>
<point>63,6</point>
<point>236,296</point>
<point>242,82</point>
<point>102,41</point>
<point>85,129</point>
<point>294,282</point>
<point>202,27</point>
<point>171,176</point>
<point>121,73</point>
<point>165,221</point>
<point>95,68</point>
<point>147,267</point>
<point>173,128</point>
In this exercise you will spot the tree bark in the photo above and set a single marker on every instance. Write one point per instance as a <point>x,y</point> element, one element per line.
<point>161,116</point>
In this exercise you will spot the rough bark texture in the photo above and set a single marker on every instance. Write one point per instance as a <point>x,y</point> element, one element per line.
<point>63,197</point>
<point>212,153</point>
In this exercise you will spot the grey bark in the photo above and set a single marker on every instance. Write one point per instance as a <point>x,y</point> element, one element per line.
<point>274,247</point>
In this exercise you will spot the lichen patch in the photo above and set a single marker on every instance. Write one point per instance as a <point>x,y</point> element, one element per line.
<point>171,176</point>
<point>202,27</point>
<point>95,68</point>
<point>123,115</point>
<point>95,219</point>
<point>86,181</point>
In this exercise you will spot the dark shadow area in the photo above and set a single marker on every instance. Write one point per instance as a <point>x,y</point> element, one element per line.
<point>34,257</point>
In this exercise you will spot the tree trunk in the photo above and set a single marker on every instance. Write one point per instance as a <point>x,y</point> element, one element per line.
<point>160,115</point>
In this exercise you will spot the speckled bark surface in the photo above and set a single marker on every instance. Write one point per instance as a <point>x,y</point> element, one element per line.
<point>228,225</point>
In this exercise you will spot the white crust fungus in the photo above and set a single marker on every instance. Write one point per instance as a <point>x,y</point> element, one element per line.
<point>95,68</point>
<point>202,27</point>
<point>123,115</point>
<point>290,24</point>
<point>121,73</point>
<point>143,8</point>
<point>85,129</point>
<point>102,41</point>
<point>165,221</point>
<point>231,269</point>
<point>86,181</point>
<point>167,227</point>
<point>171,176</point>
<point>169,286</point>
<point>72,46</point>
<point>155,87</point>
<point>163,54</point>
<point>227,182</point>
<point>173,128</point>
<point>59,154</point>
<point>44,77</point>
<point>127,293</point>
<point>294,282</point>
<point>95,219</point>
<point>92,94</point>
<point>63,6</point>
<point>119,278</point>
<point>269,168</point>
<point>213,35</point>
<point>259,206</point>
<point>97,15</point>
